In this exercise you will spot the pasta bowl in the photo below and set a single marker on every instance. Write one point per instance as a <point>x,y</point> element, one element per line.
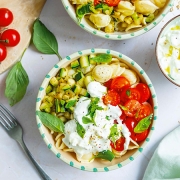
<point>167,53</point>
<point>123,21</point>
<point>73,143</point>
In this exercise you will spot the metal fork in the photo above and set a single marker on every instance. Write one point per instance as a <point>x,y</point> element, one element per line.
<point>15,131</point>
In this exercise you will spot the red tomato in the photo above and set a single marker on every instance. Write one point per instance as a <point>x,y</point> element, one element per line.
<point>96,2</point>
<point>131,124</point>
<point>112,2</point>
<point>3,52</point>
<point>119,82</point>
<point>144,111</point>
<point>123,116</point>
<point>112,97</point>
<point>108,84</point>
<point>132,107</point>
<point>130,93</point>
<point>6,17</point>
<point>10,37</point>
<point>144,90</point>
<point>119,145</point>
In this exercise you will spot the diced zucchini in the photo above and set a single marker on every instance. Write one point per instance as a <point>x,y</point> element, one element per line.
<point>62,102</point>
<point>81,82</point>
<point>48,89</point>
<point>54,81</point>
<point>87,80</point>
<point>78,76</point>
<point>76,89</point>
<point>66,87</point>
<point>84,61</point>
<point>84,92</point>
<point>63,72</point>
<point>57,104</point>
<point>63,109</point>
<point>75,64</point>
<point>87,69</point>
<point>45,105</point>
<point>71,82</point>
<point>90,59</point>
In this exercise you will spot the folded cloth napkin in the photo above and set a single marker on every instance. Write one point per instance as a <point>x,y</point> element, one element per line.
<point>165,162</point>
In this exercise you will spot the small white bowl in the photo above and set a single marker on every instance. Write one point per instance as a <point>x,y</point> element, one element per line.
<point>97,165</point>
<point>159,49</point>
<point>117,35</point>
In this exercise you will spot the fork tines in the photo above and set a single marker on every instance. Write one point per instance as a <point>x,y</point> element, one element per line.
<point>6,118</point>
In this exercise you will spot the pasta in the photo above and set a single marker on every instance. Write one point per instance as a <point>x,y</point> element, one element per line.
<point>124,16</point>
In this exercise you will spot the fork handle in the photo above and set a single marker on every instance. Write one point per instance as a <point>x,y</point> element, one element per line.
<point>38,167</point>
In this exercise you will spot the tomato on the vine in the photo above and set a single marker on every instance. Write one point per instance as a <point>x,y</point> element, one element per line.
<point>3,52</point>
<point>10,37</point>
<point>144,111</point>
<point>131,107</point>
<point>6,17</point>
<point>130,93</point>
<point>119,144</point>
<point>112,2</point>
<point>144,90</point>
<point>112,97</point>
<point>131,123</point>
<point>119,83</point>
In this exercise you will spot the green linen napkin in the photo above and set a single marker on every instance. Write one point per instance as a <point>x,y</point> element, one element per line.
<point>165,162</point>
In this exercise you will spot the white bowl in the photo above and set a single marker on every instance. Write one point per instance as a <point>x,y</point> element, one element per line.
<point>117,35</point>
<point>97,165</point>
<point>162,36</point>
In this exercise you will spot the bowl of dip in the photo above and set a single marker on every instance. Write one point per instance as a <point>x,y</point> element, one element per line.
<point>117,20</point>
<point>96,110</point>
<point>168,50</point>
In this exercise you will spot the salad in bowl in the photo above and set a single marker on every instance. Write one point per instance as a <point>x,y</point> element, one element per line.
<point>96,110</point>
<point>117,19</point>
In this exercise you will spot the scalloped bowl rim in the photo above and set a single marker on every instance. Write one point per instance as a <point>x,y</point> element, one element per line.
<point>119,36</point>
<point>55,69</point>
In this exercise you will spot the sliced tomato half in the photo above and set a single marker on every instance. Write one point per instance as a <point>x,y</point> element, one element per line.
<point>112,2</point>
<point>119,144</point>
<point>144,90</point>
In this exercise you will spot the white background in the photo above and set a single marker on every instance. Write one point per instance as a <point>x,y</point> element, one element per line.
<point>14,165</point>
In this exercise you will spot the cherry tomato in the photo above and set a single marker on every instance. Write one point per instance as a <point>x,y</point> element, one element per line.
<point>3,52</point>
<point>108,83</point>
<point>130,93</point>
<point>144,111</point>
<point>112,2</point>
<point>119,82</point>
<point>119,144</point>
<point>144,90</point>
<point>96,2</point>
<point>131,123</point>
<point>112,97</point>
<point>132,107</point>
<point>10,37</point>
<point>6,17</point>
<point>123,116</point>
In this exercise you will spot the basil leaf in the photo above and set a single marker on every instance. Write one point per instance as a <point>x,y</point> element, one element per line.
<point>16,84</point>
<point>86,120</point>
<point>143,124</point>
<point>52,122</point>
<point>70,103</point>
<point>128,92</point>
<point>44,40</point>
<point>114,134</point>
<point>80,130</point>
<point>102,58</point>
<point>108,155</point>
<point>82,10</point>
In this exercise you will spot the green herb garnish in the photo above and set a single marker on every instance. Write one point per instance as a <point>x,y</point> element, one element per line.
<point>102,58</point>
<point>80,130</point>
<point>108,155</point>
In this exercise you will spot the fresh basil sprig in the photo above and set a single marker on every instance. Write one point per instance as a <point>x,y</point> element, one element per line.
<point>143,124</point>
<point>114,133</point>
<point>16,83</point>
<point>108,155</point>
<point>44,40</point>
<point>102,58</point>
<point>52,122</point>
<point>80,130</point>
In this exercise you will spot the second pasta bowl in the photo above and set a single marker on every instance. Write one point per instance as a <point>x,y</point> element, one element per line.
<point>96,110</point>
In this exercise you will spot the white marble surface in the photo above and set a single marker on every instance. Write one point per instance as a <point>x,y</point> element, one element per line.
<point>14,165</point>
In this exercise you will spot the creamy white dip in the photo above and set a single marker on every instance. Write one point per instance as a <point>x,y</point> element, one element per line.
<point>169,52</point>
<point>96,138</point>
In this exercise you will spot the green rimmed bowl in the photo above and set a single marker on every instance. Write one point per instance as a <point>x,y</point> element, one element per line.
<point>69,158</point>
<point>117,35</point>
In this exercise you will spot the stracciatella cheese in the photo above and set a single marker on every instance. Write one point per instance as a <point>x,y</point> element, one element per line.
<point>96,138</point>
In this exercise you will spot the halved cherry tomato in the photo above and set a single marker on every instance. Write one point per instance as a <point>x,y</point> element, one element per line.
<point>144,111</point>
<point>112,2</point>
<point>3,52</point>
<point>132,107</point>
<point>144,90</point>
<point>108,83</point>
<point>112,97</point>
<point>10,37</point>
<point>130,93</point>
<point>131,123</point>
<point>119,82</point>
<point>6,17</point>
<point>96,2</point>
<point>123,116</point>
<point>119,144</point>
